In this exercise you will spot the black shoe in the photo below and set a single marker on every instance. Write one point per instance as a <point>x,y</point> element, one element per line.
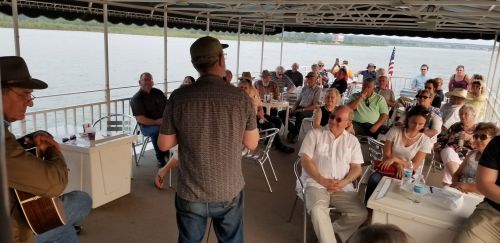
<point>286,149</point>
<point>78,229</point>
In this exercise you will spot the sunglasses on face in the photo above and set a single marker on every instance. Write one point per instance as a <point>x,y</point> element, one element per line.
<point>482,137</point>
<point>337,119</point>
<point>422,97</point>
<point>423,69</point>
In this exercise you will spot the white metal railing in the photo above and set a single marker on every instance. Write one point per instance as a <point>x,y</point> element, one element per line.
<point>69,119</point>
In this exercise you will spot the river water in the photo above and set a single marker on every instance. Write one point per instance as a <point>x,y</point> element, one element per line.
<point>71,61</point>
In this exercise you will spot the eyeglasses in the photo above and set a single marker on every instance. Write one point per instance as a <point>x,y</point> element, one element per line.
<point>367,102</point>
<point>28,97</point>
<point>422,97</point>
<point>337,119</point>
<point>423,69</point>
<point>321,65</point>
<point>480,136</point>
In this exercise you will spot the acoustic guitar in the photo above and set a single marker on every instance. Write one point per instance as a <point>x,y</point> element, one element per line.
<point>42,213</point>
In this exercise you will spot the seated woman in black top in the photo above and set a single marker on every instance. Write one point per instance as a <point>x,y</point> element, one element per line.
<point>321,113</point>
<point>340,82</point>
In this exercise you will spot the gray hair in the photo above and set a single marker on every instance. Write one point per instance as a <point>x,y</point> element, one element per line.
<point>348,108</point>
<point>467,108</point>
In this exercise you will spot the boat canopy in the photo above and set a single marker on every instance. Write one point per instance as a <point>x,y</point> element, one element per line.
<point>462,19</point>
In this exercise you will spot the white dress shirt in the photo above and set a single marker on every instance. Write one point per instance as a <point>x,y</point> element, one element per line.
<point>332,156</point>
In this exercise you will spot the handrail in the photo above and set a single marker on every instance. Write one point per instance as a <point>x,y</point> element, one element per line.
<point>74,116</point>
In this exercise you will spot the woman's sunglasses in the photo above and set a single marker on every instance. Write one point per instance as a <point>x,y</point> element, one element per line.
<point>422,97</point>
<point>482,137</point>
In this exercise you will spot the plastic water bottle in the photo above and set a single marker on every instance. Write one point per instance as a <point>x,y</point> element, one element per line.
<point>418,188</point>
<point>407,180</point>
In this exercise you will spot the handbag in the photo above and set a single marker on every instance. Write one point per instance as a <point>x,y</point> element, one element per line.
<point>391,171</point>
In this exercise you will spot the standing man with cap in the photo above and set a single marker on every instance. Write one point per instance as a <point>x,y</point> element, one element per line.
<point>211,122</point>
<point>369,72</point>
<point>147,107</point>
<point>26,172</point>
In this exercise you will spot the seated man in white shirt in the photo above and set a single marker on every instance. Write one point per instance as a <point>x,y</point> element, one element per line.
<point>331,161</point>
<point>450,110</point>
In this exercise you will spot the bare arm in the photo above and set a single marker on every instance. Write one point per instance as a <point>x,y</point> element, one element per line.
<point>310,167</point>
<point>429,132</point>
<point>147,121</point>
<point>486,183</point>
<point>381,120</point>
<point>317,118</point>
<point>355,103</point>
<point>251,139</point>
<point>166,142</point>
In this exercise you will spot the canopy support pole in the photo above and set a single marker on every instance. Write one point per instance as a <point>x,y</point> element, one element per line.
<point>488,80</point>
<point>262,46</point>
<point>165,50</point>
<point>208,24</point>
<point>15,20</point>
<point>238,50</point>
<point>106,61</point>
<point>282,39</point>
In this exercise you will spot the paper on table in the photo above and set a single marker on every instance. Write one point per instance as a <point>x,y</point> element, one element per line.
<point>384,189</point>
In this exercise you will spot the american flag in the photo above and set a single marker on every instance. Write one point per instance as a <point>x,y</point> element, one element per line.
<point>391,62</point>
<point>391,66</point>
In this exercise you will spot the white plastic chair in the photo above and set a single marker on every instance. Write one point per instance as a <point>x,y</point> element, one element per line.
<point>261,154</point>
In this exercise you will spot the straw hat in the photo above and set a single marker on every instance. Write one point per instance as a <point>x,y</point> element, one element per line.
<point>458,92</point>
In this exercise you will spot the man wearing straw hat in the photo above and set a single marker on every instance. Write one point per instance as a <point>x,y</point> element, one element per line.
<point>28,172</point>
<point>450,110</point>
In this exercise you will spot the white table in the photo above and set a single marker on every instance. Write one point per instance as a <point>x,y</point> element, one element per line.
<point>278,105</point>
<point>102,168</point>
<point>423,221</point>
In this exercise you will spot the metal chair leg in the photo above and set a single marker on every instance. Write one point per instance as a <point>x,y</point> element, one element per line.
<point>265,175</point>
<point>304,233</point>
<point>293,209</point>
<point>272,168</point>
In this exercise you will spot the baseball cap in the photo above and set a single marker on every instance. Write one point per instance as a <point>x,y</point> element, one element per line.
<point>206,49</point>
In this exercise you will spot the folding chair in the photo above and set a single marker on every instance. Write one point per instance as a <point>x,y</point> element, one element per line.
<point>119,123</point>
<point>375,152</point>
<point>261,154</point>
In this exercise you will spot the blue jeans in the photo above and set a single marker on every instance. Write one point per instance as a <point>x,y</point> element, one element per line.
<point>153,131</point>
<point>227,219</point>
<point>77,206</point>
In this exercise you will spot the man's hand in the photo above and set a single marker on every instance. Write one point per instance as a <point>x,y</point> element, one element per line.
<point>374,128</point>
<point>43,141</point>
<point>338,185</point>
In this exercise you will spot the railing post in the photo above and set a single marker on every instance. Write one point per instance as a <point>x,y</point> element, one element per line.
<point>107,91</point>
<point>165,50</point>
<point>15,21</point>
<point>238,50</point>
<point>262,46</point>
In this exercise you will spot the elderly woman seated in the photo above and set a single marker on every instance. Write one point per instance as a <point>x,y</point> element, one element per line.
<point>456,142</point>
<point>322,113</point>
<point>264,121</point>
<point>464,179</point>
<point>405,147</point>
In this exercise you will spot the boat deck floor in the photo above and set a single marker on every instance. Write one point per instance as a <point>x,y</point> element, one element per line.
<point>148,214</point>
